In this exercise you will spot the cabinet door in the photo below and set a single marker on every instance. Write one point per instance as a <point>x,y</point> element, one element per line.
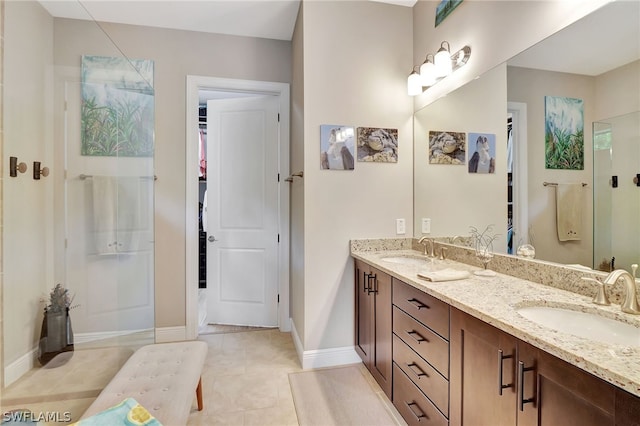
<point>483,373</point>
<point>554,392</point>
<point>364,312</point>
<point>381,355</point>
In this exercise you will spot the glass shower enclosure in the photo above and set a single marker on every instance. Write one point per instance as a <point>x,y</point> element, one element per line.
<point>75,104</point>
<point>616,165</point>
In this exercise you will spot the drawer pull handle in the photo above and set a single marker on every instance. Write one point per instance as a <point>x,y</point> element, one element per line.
<point>418,304</point>
<point>521,371</point>
<point>374,288</point>
<point>365,285</point>
<point>420,339</point>
<point>413,367</point>
<point>501,358</point>
<point>419,416</point>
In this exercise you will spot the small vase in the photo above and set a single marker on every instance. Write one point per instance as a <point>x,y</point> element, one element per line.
<point>56,335</point>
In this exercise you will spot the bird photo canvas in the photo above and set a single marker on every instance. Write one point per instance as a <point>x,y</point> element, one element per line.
<point>446,147</point>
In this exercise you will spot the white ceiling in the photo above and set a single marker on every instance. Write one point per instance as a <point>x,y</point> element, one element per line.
<point>578,49</point>
<point>273,19</point>
<point>600,42</point>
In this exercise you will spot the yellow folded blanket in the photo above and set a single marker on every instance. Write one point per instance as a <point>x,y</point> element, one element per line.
<point>444,275</point>
<point>127,413</point>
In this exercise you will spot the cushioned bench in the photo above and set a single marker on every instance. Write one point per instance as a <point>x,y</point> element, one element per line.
<point>162,378</point>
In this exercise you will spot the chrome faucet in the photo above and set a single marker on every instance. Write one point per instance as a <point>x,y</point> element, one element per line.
<point>630,302</point>
<point>424,241</point>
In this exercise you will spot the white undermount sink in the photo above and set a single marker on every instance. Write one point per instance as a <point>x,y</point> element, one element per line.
<point>583,324</point>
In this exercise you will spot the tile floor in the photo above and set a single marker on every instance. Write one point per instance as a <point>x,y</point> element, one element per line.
<point>245,381</point>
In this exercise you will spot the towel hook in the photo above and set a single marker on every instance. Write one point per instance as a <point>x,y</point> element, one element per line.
<point>39,171</point>
<point>297,174</point>
<point>15,167</point>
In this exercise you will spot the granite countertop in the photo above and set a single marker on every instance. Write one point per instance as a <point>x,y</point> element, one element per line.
<point>495,300</point>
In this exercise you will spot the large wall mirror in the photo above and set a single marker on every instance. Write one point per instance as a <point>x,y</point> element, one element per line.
<point>596,60</point>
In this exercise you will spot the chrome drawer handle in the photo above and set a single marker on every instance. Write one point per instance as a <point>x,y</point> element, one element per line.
<point>420,338</point>
<point>417,416</point>
<point>417,367</point>
<point>418,304</point>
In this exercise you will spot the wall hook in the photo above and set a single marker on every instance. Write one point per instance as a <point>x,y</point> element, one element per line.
<point>15,167</point>
<point>38,171</point>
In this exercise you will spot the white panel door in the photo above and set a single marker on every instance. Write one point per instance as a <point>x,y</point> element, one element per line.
<point>242,211</point>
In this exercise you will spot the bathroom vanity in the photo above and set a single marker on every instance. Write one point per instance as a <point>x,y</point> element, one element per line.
<point>459,353</point>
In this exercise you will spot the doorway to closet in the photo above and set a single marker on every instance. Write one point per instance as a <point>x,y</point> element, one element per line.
<point>238,157</point>
<point>517,180</point>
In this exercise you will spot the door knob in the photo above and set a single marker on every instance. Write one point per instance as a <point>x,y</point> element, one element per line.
<point>211,238</point>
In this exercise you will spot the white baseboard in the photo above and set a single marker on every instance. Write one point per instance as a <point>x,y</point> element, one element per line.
<point>323,357</point>
<point>171,334</point>
<point>79,338</point>
<point>16,369</point>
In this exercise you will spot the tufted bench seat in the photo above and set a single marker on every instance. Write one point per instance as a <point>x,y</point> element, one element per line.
<point>162,378</point>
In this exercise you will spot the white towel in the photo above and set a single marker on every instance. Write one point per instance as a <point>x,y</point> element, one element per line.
<point>569,211</point>
<point>122,214</point>
<point>105,192</point>
<point>444,275</point>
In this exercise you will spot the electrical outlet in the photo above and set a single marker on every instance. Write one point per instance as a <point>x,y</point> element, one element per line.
<point>400,226</point>
<point>426,225</point>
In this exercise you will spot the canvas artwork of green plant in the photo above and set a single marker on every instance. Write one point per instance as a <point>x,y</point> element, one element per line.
<point>564,133</point>
<point>117,113</point>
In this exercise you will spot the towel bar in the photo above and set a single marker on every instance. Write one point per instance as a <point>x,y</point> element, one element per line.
<point>555,184</point>
<point>83,177</point>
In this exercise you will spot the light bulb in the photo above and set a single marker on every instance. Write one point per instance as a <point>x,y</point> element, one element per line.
<point>414,84</point>
<point>428,73</point>
<point>443,61</point>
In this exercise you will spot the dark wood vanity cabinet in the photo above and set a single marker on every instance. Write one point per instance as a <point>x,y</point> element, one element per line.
<point>442,366</point>
<point>483,373</point>
<point>373,322</point>
<point>420,356</point>
<point>500,380</point>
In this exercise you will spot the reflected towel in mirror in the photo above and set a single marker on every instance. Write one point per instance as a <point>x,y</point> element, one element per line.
<point>569,206</point>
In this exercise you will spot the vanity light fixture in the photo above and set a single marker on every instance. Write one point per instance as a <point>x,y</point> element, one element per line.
<point>435,68</point>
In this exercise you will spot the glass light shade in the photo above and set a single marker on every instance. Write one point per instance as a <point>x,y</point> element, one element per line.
<point>443,62</point>
<point>414,84</point>
<point>428,73</point>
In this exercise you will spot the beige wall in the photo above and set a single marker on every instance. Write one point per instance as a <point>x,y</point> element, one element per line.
<point>356,57</point>
<point>618,92</point>
<point>1,184</point>
<point>449,195</point>
<point>530,87</point>
<point>177,54</point>
<point>27,263</point>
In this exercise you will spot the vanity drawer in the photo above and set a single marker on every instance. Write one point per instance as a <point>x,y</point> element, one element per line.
<point>425,377</point>
<point>425,308</point>
<point>421,339</point>
<point>415,408</point>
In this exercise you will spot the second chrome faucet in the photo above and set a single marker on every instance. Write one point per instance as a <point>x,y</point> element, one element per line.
<point>630,301</point>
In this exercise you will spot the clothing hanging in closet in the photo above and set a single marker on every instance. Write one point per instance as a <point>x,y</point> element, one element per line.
<point>202,155</point>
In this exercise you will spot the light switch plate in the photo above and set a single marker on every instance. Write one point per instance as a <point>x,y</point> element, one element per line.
<point>426,225</point>
<point>400,226</point>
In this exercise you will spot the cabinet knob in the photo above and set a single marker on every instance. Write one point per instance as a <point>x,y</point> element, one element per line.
<point>212,239</point>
